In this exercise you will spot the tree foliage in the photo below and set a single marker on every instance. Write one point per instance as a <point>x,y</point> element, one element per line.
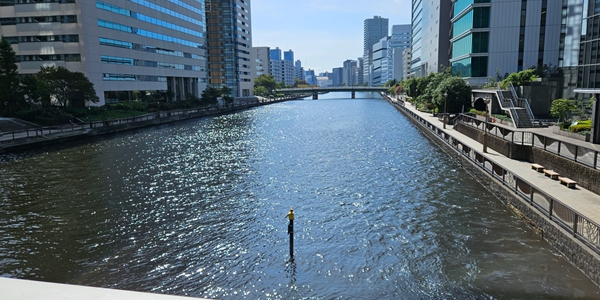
<point>519,78</point>
<point>210,95</point>
<point>10,98</point>
<point>428,92</point>
<point>561,108</point>
<point>65,87</point>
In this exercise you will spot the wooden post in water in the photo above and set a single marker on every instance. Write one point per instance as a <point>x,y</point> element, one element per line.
<point>290,216</point>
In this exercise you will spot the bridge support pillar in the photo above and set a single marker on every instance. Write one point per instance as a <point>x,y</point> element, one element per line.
<point>315,96</point>
<point>353,94</point>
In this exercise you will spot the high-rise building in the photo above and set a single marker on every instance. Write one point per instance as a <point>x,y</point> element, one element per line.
<point>288,55</point>
<point>350,73</point>
<point>380,62</point>
<point>229,45</point>
<point>337,75</point>
<point>310,77</point>
<point>282,70</point>
<point>299,70</point>
<point>122,47</point>
<point>406,59</point>
<point>499,36</point>
<point>374,30</point>
<point>431,36</point>
<point>276,54</point>
<point>398,42</point>
<point>359,70</point>
<point>260,61</point>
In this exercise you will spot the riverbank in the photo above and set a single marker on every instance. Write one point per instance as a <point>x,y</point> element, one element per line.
<point>567,218</point>
<point>39,137</point>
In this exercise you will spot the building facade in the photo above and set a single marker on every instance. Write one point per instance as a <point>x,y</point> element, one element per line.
<point>589,62</point>
<point>373,31</point>
<point>260,61</point>
<point>492,37</point>
<point>350,73</point>
<point>127,49</point>
<point>399,41</point>
<point>229,45</point>
<point>380,62</point>
<point>430,36</point>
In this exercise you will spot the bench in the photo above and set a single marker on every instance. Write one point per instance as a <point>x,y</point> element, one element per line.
<point>537,167</point>
<point>568,182</point>
<point>551,174</point>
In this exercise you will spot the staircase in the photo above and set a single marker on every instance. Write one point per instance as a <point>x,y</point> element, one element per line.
<point>518,108</point>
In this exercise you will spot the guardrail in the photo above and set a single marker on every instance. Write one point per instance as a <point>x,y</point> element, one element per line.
<point>582,228</point>
<point>82,126</point>
<point>586,156</point>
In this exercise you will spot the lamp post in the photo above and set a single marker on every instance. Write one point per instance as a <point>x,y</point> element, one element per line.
<point>485,135</point>
<point>445,115</point>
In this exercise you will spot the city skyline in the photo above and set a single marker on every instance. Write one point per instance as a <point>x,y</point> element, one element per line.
<point>322,35</point>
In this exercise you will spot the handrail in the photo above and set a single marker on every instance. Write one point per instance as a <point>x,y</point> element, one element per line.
<point>584,155</point>
<point>82,126</point>
<point>575,223</point>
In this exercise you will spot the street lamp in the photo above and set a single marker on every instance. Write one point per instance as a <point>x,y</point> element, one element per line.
<point>485,135</point>
<point>445,115</point>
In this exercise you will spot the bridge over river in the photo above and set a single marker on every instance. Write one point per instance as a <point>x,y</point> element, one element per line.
<point>315,91</point>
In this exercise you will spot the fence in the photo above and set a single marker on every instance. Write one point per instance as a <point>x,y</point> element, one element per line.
<point>582,228</point>
<point>580,154</point>
<point>82,126</point>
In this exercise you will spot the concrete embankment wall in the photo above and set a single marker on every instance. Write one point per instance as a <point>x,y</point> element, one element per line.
<point>85,131</point>
<point>586,177</point>
<point>574,250</point>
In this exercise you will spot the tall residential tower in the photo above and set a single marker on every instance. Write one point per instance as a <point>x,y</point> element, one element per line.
<point>374,30</point>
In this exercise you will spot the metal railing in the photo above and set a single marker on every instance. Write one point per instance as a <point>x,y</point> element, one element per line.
<point>586,156</point>
<point>575,223</point>
<point>81,127</point>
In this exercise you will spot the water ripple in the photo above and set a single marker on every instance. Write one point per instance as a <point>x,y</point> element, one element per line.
<point>197,208</point>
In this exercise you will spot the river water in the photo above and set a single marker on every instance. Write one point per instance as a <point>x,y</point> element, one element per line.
<point>198,208</point>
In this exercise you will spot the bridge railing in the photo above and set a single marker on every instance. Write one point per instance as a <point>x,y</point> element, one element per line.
<point>575,223</point>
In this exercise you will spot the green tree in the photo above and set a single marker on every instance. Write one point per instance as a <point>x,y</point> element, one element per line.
<point>66,87</point>
<point>10,98</point>
<point>210,95</point>
<point>458,94</point>
<point>266,81</point>
<point>261,91</point>
<point>519,78</point>
<point>561,108</point>
<point>411,87</point>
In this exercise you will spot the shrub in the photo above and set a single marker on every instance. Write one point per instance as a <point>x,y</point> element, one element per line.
<point>579,126</point>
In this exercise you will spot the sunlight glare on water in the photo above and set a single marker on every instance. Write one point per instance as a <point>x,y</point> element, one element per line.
<point>197,208</point>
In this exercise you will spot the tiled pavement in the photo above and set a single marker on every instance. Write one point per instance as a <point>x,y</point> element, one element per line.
<point>581,200</point>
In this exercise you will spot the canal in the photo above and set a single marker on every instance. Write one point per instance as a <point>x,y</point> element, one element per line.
<point>198,208</point>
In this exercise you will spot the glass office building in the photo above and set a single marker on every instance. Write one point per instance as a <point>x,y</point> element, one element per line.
<point>495,36</point>
<point>229,46</point>
<point>129,49</point>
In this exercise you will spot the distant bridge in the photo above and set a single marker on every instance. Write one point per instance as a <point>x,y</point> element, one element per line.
<point>315,91</point>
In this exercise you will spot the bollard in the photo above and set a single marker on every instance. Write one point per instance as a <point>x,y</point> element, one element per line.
<point>290,216</point>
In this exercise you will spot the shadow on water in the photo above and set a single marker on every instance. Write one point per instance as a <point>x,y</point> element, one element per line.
<point>198,208</point>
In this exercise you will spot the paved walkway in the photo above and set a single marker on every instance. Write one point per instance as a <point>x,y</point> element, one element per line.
<point>581,200</point>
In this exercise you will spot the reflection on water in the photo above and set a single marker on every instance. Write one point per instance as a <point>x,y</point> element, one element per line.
<point>197,208</point>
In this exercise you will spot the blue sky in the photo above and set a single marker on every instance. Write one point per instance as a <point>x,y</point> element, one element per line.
<point>322,33</point>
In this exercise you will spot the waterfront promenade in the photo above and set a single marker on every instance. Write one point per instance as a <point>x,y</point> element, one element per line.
<point>568,218</point>
<point>580,199</point>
